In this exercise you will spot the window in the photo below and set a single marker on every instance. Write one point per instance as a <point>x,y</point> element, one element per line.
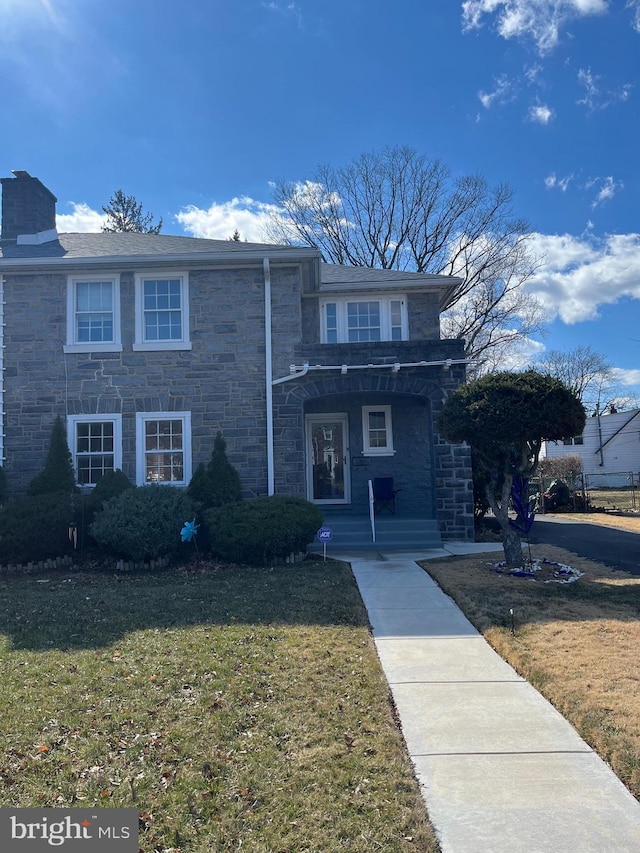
<point>349,321</point>
<point>163,442</point>
<point>577,439</point>
<point>96,446</point>
<point>93,314</point>
<point>162,312</point>
<point>377,437</point>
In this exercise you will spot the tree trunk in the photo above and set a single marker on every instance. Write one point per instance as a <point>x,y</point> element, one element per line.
<point>512,545</point>
<point>511,542</point>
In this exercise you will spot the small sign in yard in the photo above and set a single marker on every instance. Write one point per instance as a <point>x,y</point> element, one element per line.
<point>325,534</point>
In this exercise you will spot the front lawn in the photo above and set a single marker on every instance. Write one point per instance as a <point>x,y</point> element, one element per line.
<point>576,643</point>
<point>236,708</point>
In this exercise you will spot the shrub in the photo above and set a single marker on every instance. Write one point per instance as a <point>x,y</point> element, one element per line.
<point>110,485</point>
<point>143,523</point>
<point>262,530</point>
<point>218,483</point>
<point>57,475</point>
<point>36,527</point>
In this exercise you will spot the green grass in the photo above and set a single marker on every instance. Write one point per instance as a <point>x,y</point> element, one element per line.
<point>236,708</point>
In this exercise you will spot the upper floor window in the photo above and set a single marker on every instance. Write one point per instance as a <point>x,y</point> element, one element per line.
<point>96,446</point>
<point>93,314</point>
<point>350,320</point>
<point>162,312</point>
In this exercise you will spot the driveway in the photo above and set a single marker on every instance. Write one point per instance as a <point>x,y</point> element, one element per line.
<point>616,548</point>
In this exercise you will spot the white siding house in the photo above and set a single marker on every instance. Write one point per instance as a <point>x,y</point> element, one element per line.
<point>610,444</point>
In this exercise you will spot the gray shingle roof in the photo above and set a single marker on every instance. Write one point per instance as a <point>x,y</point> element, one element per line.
<point>85,245</point>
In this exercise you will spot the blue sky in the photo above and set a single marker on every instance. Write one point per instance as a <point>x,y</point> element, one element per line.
<point>196,107</point>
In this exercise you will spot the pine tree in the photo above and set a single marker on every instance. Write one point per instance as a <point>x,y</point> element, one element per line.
<point>124,214</point>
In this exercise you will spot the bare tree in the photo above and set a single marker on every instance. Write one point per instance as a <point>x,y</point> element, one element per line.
<point>588,374</point>
<point>124,214</point>
<point>397,209</point>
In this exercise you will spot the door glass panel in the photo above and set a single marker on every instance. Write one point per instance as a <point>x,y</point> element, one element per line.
<point>328,455</point>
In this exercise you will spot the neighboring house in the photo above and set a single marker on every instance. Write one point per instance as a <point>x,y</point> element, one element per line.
<point>320,377</point>
<point>610,444</point>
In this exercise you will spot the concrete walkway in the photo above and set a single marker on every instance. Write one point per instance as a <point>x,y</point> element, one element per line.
<point>500,769</point>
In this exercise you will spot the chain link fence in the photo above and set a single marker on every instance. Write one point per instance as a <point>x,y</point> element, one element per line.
<point>613,492</point>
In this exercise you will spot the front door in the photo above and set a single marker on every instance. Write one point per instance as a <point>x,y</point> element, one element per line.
<point>328,480</point>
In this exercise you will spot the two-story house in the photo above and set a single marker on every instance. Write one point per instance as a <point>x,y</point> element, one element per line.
<point>320,377</point>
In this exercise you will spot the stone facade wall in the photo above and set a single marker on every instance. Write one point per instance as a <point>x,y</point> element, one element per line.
<point>221,380</point>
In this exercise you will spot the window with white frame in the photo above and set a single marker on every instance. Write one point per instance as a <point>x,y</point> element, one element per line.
<point>162,311</point>
<point>377,435</point>
<point>350,320</point>
<point>95,442</point>
<point>93,314</point>
<point>163,448</point>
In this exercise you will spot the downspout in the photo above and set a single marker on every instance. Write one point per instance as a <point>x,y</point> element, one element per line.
<point>1,370</point>
<point>601,463</point>
<point>268,369</point>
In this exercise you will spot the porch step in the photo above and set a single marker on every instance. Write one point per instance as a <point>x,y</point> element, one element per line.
<point>392,533</point>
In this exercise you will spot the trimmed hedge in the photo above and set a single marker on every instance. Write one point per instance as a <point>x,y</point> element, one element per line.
<point>143,523</point>
<point>262,530</point>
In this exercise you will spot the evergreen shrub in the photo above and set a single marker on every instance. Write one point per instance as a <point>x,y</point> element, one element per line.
<point>58,474</point>
<point>262,530</point>
<point>217,483</point>
<point>36,528</point>
<point>143,523</point>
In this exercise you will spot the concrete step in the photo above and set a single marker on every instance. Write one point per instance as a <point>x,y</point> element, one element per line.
<point>392,533</point>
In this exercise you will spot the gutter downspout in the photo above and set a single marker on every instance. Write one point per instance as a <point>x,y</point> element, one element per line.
<point>268,369</point>
<point>2,370</point>
<point>600,450</point>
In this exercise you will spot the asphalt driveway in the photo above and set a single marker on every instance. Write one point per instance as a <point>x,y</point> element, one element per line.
<point>616,548</point>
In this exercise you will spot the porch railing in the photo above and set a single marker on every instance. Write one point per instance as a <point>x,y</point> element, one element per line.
<point>372,515</point>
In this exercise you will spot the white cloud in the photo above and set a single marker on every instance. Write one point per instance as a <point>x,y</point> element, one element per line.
<point>608,189</point>
<point>540,20</point>
<point>626,377</point>
<point>83,219</point>
<point>219,221</point>
<point>635,5</point>
<point>541,113</point>
<point>501,93</point>
<point>552,182</point>
<point>290,9</point>
<point>595,96</point>
<point>579,274</point>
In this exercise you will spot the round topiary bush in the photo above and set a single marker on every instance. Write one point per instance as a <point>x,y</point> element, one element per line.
<point>143,523</point>
<point>36,527</point>
<point>262,530</point>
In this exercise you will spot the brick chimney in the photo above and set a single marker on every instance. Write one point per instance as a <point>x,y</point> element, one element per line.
<point>28,210</point>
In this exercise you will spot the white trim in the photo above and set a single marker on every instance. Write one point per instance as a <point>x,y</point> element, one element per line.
<point>342,303</point>
<point>141,419</point>
<point>367,450</point>
<point>72,345</point>
<point>72,435</point>
<point>183,343</point>
<point>268,368</point>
